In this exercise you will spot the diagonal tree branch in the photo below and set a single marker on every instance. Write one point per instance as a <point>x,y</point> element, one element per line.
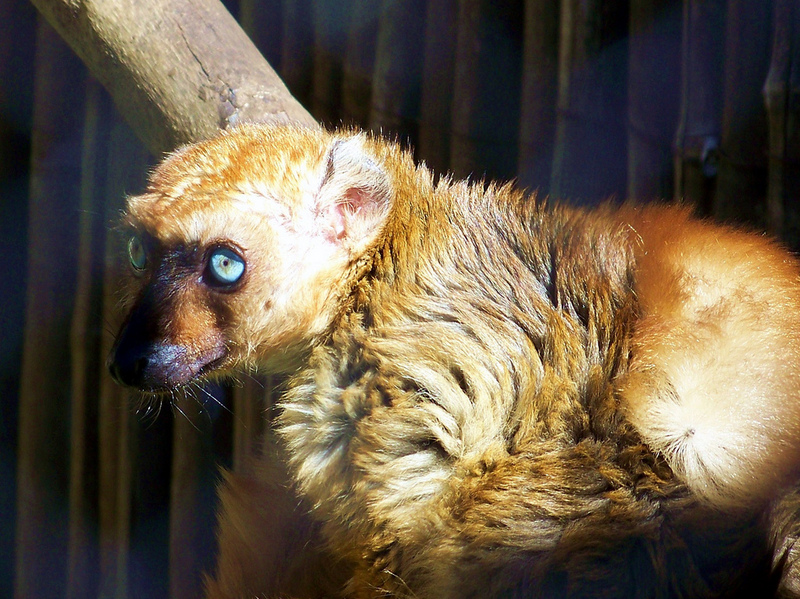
<point>178,70</point>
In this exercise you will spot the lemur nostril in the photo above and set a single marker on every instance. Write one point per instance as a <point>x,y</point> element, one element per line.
<point>126,374</point>
<point>138,368</point>
<point>128,366</point>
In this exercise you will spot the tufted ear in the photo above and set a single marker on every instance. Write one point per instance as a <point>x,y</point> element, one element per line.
<point>354,194</point>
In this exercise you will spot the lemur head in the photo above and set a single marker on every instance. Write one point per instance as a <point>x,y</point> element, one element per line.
<point>237,249</point>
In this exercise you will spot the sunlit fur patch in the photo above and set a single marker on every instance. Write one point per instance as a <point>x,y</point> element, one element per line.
<point>712,383</point>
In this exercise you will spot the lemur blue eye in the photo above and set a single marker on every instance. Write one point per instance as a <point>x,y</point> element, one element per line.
<point>136,253</point>
<point>225,266</point>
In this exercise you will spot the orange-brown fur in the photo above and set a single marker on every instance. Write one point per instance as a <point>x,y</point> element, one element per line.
<point>488,396</point>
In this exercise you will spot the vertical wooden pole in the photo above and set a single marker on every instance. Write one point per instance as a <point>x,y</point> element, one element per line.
<point>262,21</point>
<point>539,92</point>
<point>82,579</point>
<point>436,96</point>
<point>742,180</point>
<point>191,490</point>
<point>782,97</point>
<point>589,162</point>
<point>44,416</point>
<point>653,80</point>
<point>127,164</point>
<point>330,18</point>
<point>698,136</point>
<point>486,92</point>
<point>398,69</point>
<point>143,503</point>
<point>16,100</point>
<point>359,63</point>
<point>297,42</point>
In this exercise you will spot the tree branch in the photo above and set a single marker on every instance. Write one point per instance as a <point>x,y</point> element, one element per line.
<point>178,70</point>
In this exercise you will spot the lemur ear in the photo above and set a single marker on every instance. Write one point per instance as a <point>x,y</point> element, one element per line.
<point>355,193</point>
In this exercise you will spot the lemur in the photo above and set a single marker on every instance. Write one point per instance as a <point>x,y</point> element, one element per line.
<point>489,394</point>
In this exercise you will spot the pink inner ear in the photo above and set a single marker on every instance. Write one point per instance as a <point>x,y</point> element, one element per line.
<point>357,198</point>
<point>352,203</point>
<point>338,221</point>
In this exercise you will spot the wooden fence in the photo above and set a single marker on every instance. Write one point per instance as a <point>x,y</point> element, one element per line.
<point>697,100</point>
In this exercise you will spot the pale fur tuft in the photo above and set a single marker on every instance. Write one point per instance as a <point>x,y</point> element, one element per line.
<point>714,382</point>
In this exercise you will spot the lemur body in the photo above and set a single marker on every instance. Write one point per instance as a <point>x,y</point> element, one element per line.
<point>488,396</point>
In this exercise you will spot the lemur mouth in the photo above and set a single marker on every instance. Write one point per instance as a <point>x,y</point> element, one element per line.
<point>212,366</point>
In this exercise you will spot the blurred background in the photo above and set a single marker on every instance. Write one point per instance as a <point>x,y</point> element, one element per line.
<point>583,100</point>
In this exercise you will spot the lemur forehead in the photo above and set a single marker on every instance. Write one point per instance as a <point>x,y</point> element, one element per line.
<point>273,157</point>
<point>250,173</point>
<point>250,160</point>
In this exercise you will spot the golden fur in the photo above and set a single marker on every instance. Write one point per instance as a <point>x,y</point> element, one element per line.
<point>489,396</point>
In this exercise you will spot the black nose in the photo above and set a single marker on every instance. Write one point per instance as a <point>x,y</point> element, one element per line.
<point>148,365</point>
<point>145,358</point>
<point>132,358</point>
<point>127,366</point>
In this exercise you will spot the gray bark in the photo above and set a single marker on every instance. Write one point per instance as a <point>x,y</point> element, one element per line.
<point>178,70</point>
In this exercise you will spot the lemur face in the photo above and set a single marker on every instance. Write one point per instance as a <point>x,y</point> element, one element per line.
<point>211,291</point>
<point>235,250</point>
<point>183,322</point>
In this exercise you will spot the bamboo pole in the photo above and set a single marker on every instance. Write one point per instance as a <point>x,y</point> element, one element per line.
<point>86,330</point>
<point>398,69</point>
<point>438,71</point>
<point>653,76</point>
<point>191,493</point>
<point>144,499</point>
<point>127,164</point>
<point>742,180</point>
<point>589,162</point>
<point>44,411</point>
<point>16,90</point>
<point>698,135</point>
<point>539,92</point>
<point>782,97</point>
<point>486,89</point>
<point>359,63</point>
<point>262,21</point>
<point>297,42</point>
<point>330,18</point>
